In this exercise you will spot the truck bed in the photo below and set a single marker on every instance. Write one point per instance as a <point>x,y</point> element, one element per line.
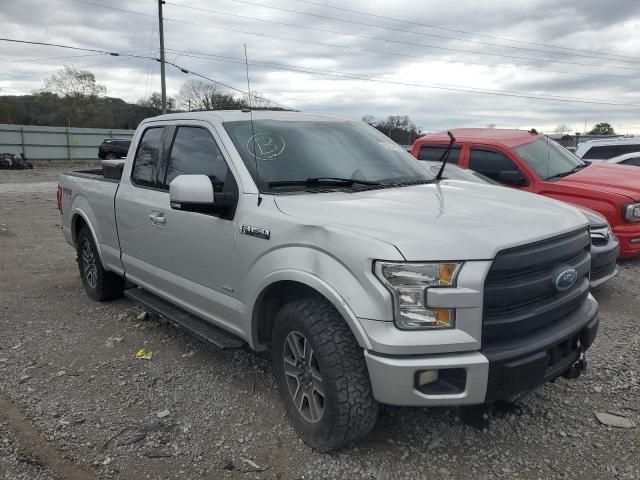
<point>87,196</point>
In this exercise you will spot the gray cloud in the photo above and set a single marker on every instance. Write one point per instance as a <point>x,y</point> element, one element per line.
<point>587,25</point>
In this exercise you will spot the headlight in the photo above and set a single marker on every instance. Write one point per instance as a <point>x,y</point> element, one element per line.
<point>408,283</point>
<point>632,212</point>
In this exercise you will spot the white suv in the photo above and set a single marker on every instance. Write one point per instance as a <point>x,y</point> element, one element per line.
<point>601,150</point>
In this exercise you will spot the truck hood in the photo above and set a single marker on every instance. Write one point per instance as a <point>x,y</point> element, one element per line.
<point>606,178</point>
<point>450,220</point>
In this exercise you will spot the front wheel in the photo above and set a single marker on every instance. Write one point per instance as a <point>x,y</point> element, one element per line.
<point>321,374</point>
<point>111,156</point>
<point>99,283</point>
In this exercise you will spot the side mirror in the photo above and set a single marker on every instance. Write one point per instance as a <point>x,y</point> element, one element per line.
<point>513,177</point>
<point>194,193</point>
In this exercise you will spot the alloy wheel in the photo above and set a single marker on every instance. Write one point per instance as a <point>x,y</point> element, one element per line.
<point>89,266</point>
<point>303,377</point>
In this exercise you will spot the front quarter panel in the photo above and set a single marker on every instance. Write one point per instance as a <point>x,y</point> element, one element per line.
<point>335,262</point>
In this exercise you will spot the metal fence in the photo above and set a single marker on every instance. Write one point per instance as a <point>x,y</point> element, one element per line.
<point>56,143</point>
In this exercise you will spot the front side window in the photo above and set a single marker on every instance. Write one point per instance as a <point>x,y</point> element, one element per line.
<point>434,153</point>
<point>195,152</point>
<point>284,151</point>
<point>490,163</point>
<point>548,159</point>
<point>147,157</point>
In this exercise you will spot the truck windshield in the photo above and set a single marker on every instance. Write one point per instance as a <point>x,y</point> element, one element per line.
<point>288,154</point>
<point>549,159</point>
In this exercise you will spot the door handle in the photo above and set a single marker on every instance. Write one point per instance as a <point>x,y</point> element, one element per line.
<point>157,218</point>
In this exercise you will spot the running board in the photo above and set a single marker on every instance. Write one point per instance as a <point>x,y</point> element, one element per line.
<point>184,320</point>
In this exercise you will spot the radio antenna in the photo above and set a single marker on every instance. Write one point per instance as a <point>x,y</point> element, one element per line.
<point>253,133</point>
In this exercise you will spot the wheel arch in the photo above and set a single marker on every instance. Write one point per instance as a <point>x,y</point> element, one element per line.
<point>283,287</point>
<point>78,220</point>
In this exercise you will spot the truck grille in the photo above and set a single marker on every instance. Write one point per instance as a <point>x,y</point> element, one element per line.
<point>520,295</point>
<point>602,270</point>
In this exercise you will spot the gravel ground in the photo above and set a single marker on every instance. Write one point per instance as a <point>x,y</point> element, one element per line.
<point>75,403</point>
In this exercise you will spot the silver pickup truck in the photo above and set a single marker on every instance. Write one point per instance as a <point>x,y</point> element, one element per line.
<point>319,240</point>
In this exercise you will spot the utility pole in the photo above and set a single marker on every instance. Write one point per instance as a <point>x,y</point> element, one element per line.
<point>162,79</point>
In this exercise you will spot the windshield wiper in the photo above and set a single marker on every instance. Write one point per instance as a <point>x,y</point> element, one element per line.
<point>573,170</point>
<point>330,181</point>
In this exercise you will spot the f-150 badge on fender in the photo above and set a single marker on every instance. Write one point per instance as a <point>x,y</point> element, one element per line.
<point>259,232</point>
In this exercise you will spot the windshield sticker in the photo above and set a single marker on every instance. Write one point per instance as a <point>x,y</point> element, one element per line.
<point>391,146</point>
<point>267,146</point>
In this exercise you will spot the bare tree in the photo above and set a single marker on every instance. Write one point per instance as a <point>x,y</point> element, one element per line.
<point>153,104</point>
<point>79,89</point>
<point>370,119</point>
<point>258,102</point>
<point>563,129</point>
<point>198,95</point>
<point>70,82</point>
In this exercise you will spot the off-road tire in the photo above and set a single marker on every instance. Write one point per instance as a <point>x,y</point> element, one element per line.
<point>350,411</point>
<point>99,284</point>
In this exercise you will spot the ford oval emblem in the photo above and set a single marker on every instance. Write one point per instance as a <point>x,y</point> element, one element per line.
<point>566,279</point>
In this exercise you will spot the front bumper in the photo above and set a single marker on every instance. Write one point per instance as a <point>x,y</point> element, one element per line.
<point>603,262</point>
<point>488,375</point>
<point>629,237</point>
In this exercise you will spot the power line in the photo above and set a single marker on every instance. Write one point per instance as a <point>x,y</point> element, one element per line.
<point>293,39</point>
<point>354,76</point>
<point>25,60</point>
<point>403,30</point>
<point>371,37</point>
<point>118,54</point>
<point>380,52</point>
<point>340,75</point>
<point>436,27</point>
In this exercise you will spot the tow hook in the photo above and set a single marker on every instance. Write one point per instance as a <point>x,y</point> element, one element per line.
<point>478,416</point>
<point>575,370</point>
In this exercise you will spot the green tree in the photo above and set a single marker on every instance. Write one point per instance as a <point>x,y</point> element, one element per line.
<point>5,112</point>
<point>602,128</point>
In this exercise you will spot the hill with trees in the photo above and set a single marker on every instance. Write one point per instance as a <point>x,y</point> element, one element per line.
<point>73,98</point>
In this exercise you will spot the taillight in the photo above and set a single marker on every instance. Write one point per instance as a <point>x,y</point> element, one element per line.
<point>59,199</point>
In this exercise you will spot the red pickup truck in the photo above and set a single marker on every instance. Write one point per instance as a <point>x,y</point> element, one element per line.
<point>533,162</point>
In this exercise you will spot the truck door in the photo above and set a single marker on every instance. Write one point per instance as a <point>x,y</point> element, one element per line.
<point>132,205</point>
<point>193,255</point>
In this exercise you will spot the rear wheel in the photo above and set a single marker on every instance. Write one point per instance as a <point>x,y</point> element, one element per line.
<point>321,374</point>
<point>99,284</point>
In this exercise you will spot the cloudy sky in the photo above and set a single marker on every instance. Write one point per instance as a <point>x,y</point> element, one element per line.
<point>516,63</point>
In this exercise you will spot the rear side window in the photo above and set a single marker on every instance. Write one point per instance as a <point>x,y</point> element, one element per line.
<point>605,152</point>
<point>195,152</point>
<point>490,163</point>
<point>632,161</point>
<point>147,157</point>
<point>434,153</point>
